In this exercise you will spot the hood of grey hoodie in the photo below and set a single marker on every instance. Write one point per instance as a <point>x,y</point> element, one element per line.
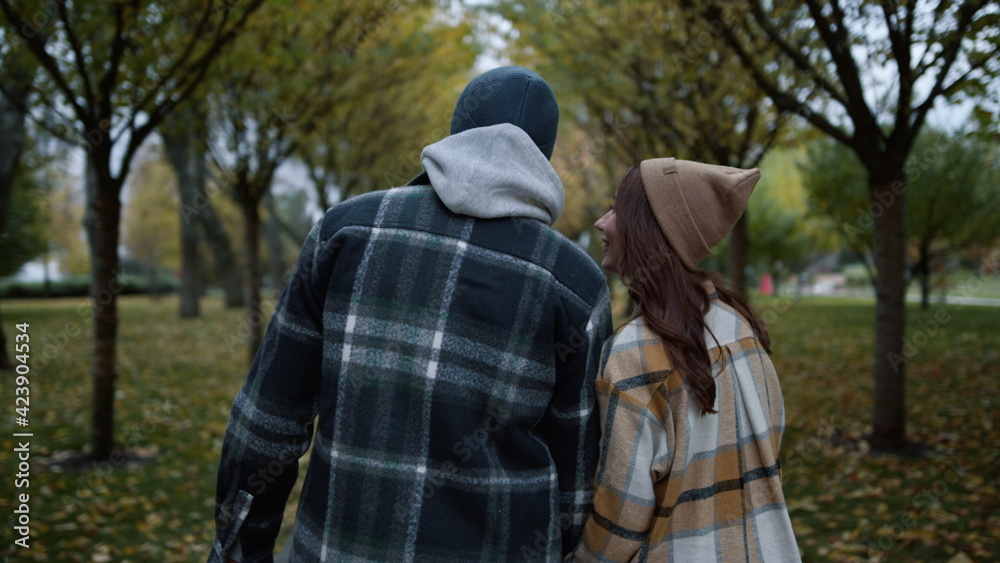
<point>494,171</point>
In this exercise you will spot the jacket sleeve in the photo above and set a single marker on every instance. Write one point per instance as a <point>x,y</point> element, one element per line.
<point>634,442</point>
<point>271,422</point>
<point>571,427</point>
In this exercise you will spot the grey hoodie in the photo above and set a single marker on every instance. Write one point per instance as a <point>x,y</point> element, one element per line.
<point>494,171</point>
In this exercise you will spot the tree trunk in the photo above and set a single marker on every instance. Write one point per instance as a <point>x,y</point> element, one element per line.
<point>222,250</point>
<point>190,306</point>
<point>154,277</point>
<point>319,182</point>
<point>5,362</point>
<point>739,245</point>
<point>923,271</point>
<point>272,232</point>
<point>183,144</point>
<point>275,263</point>
<point>47,279</point>
<point>925,290</point>
<point>185,141</point>
<point>11,146</point>
<point>103,228</point>
<point>889,211</point>
<point>251,242</point>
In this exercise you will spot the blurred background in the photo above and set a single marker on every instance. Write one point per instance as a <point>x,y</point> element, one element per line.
<point>162,162</point>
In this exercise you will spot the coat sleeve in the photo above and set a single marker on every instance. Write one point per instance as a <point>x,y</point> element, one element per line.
<point>271,422</point>
<point>634,444</point>
<point>570,427</point>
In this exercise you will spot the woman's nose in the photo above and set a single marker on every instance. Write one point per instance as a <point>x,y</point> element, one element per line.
<point>600,222</point>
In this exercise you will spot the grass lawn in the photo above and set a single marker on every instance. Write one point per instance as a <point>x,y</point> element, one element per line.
<point>848,505</point>
<point>965,283</point>
<point>177,380</point>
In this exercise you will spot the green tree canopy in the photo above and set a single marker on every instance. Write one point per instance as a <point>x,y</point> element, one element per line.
<point>954,198</point>
<point>328,88</point>
<point>646,79</point>
<point>873,71</point>
<point>27,235</point>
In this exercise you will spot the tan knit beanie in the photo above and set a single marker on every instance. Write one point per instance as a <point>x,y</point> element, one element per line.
<point>695,204</point>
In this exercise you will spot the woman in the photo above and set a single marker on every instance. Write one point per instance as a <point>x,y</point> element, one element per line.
<point>690,406</point>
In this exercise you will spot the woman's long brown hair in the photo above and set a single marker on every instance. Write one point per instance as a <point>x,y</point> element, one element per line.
<point>672,299</point>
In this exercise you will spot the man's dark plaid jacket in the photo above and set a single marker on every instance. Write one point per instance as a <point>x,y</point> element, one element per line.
<point>450,360</point>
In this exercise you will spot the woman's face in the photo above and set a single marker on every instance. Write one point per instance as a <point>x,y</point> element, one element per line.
<point>610,241</point>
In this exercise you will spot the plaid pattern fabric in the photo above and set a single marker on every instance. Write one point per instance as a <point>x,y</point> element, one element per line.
<point>451,363</point>
<point>673,485</point>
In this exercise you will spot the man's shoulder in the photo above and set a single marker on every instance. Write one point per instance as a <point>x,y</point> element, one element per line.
<point>577,269</point>
<point>360,210</point>
<point>354,210</point>
<point>568,263</point>
<point>537,243</point>
<point>418,209</point>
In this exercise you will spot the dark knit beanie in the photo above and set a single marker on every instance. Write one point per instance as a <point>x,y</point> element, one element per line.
<point>695,204</point>
<point>514,95</point>
<point>508,94</point>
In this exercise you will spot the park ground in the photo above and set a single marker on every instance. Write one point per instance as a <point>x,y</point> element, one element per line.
<point>178,379</point>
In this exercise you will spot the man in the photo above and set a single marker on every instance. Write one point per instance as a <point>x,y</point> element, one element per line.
<point>448,339</point>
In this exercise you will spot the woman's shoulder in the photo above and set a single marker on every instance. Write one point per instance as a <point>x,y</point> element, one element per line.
<point>724,325</point>
<point>633,335</point>
<point>635,351</point>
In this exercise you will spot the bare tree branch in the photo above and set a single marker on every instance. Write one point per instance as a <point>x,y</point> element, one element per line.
<point>948,56</point>
<point>781,99</point>
<point>795,55</point>
<point>78,58</point>
<point>198,71</point>
<point>37,46</point>
<point>837,45</point>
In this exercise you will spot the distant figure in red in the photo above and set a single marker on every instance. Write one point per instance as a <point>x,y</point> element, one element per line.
<point>766,285</point>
